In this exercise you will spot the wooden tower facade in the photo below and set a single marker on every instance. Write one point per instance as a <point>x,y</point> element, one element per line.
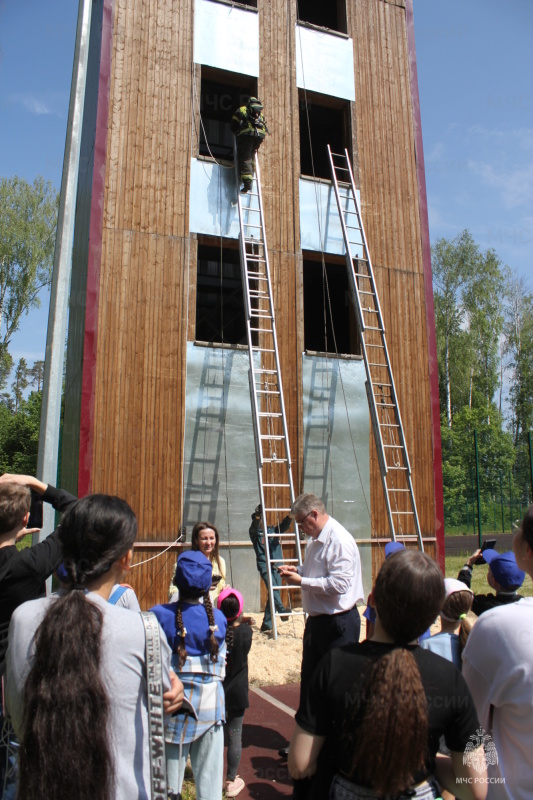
<point>156,394</point>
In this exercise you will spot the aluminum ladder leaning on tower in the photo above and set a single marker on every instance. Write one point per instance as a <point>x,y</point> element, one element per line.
<point>394,465</point>
<point>273,456</point>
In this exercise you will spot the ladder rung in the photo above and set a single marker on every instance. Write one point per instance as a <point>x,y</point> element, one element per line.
<point>403,513</point>
<point>372,328</point>
<point>380,385</point>
<point>273,438</point>
<point>392,489</point>
<point>274,511</point>
<point>267,371</point>
<point>267,391</point>
<point>269,414</point>
<point>261,349</point>
<point>393,446</point>
<point>389,466</point>
<point>278,485</point>
<point>273,460</point>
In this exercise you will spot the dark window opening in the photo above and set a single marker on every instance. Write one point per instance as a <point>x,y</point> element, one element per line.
<point>322,123</point>
<point>329,330</point>
<point>220,94</point>
<point>329,14</point>
<point>219,299</point>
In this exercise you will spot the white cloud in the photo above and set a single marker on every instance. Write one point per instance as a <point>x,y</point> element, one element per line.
<point>49,103</point>
<point>523,137</point>
<point>514,187</point>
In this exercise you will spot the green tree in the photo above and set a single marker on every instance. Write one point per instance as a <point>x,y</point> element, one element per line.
<point>483,300</point>
<point>28,218</point>
<point>468,292</point>
<point>20,383</point>
<point>519,350</point>
<point>36,375</point>
<point>454,264</point>
<point>19,436</point>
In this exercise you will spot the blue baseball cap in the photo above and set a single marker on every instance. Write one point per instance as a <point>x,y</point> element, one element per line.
<point>193,571</point>
<point>504,568</point>
<point>393,547</point>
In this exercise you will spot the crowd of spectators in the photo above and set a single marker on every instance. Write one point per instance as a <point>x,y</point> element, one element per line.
<point>398,715</point>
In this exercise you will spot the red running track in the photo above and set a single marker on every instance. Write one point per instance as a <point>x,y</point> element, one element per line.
<point>266,728</point>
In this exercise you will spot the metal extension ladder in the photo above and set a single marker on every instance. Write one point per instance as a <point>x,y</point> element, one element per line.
<point>273,456</point>
<point>385,415</point>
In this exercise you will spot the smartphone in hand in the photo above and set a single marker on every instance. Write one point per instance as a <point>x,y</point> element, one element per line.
<point>488,544</point>
<point>36,511</point>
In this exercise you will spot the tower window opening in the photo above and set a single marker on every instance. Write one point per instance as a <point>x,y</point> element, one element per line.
<point>219,299</point>
<point>329,318</point>
<point>330,15</point>
<point>323,121</point>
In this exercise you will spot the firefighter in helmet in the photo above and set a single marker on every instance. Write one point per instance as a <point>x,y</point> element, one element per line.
<point>249,126</point>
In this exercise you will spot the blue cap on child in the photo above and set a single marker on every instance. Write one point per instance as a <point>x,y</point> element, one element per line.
<point>193,571</point>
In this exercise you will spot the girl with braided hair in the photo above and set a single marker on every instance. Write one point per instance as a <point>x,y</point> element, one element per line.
<point>238,642</point>
<point>370,724</point>
<point>196,633</point>
<point>76,669</point>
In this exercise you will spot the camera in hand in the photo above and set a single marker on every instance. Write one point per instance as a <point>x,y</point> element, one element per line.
<point>36,511</point>
<point>488,544</point>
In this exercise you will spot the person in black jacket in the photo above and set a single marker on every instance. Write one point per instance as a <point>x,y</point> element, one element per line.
<point>238,643</point>
<point>23,572</point>
<point>503,576</point>
<point>257,538</point>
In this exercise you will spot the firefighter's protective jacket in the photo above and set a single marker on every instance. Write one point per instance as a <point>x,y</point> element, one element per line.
<point>243,123</point>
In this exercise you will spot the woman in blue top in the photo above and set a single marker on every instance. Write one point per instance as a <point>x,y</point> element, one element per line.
<point>196,633</point>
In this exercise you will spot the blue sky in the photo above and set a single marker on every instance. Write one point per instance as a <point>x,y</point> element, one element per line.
<point>475,62</point>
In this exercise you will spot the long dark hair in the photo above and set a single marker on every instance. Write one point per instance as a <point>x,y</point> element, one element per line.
<point>392,720</point>
<point>195,541</point>
<point>65,746</point>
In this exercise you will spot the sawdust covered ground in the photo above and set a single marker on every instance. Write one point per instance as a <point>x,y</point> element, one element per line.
<point>273,663</point>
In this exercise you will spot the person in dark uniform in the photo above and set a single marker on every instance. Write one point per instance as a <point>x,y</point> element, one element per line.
<point>258,540</point>
<point>249,126</point>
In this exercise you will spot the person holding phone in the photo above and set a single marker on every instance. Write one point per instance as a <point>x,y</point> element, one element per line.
<point>504,576</point>
<point>23,572</point>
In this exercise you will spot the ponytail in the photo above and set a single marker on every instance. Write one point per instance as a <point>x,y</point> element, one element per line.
<point>457,608</point>
<point>392,725</point>
<point>65,747</point>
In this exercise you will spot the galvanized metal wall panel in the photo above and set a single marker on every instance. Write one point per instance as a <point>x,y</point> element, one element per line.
<point>320,225</point>
<point>226,37</point>
<point>213,200</point>
<point>324,63</point>
<point>336,434</point>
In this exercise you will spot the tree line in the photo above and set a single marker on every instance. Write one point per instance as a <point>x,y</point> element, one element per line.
<point>484,325</point>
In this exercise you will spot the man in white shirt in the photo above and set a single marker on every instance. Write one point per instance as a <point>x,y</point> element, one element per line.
<point>331,583</point>
<point>498,668</point>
